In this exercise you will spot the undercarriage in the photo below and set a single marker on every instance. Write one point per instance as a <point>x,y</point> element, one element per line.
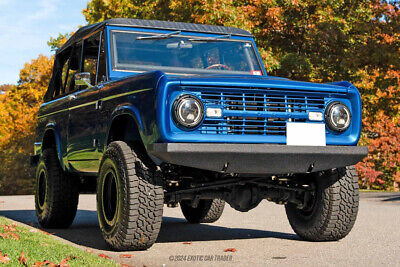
<point>242,192</point>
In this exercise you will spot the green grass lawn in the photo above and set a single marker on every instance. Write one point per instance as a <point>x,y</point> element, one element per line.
<point>37,246</point>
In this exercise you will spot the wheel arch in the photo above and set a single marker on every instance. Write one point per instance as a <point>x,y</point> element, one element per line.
<point>51,138</point>
<point>126,126</point>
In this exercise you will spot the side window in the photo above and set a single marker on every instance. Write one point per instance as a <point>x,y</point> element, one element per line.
<point>73,68</point>
<point>82,57</point>
<point>90,55</point>
<point>64,73</point>
<point>60,73</point>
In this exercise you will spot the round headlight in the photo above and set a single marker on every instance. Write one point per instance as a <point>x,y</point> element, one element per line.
<point>338,117</point>
<point>188,111</point>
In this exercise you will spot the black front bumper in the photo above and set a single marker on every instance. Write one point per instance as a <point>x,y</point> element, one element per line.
<point>257,158</point>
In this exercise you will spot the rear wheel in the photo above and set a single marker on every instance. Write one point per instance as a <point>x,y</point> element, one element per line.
<point>332,209</point>
<point>130,199</point>
<point>207,211</point>
<point>56,192</point>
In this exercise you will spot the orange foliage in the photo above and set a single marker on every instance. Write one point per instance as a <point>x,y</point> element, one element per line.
<point>18,108</point>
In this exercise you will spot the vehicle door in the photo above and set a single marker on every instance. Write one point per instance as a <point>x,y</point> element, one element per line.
<point>84,108</point>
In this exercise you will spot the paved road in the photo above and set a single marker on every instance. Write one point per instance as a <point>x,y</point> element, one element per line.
<point>261,237</point>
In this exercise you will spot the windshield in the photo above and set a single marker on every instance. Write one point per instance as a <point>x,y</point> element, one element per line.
<point>138,52</point>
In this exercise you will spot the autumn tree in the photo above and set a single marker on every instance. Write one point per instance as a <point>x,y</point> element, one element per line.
<point>55,43</point>
<point>18,109</point>
<point>5,87</point>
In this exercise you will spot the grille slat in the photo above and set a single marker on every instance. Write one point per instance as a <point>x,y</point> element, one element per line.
<point>257,113</point>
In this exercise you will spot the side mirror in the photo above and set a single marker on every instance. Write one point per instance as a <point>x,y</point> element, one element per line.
<point>83,78</point>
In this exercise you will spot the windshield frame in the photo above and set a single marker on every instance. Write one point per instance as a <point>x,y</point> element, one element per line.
<point>145,31</point>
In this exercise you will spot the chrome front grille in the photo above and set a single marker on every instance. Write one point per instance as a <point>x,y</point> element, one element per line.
<point>257,113</point>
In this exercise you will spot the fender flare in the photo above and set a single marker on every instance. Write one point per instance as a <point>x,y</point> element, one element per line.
<point>52,127</point>
<point>125,109</point>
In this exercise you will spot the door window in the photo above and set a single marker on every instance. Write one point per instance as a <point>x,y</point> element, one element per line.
<point>90,55</point>
<point>73,68</point>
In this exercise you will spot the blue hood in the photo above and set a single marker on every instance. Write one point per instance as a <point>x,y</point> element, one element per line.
<point>248,81</point>
<point>261,82</point>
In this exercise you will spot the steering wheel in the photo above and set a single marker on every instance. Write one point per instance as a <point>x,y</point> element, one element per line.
<point>219,66</point>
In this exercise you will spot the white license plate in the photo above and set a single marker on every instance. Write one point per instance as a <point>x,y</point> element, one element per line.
<point>305,134</point>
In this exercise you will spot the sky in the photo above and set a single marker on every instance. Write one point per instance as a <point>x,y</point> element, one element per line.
<point>27,25</point>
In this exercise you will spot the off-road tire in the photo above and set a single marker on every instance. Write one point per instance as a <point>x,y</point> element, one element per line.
<point>56,192</point>
<point>207,211</point>
<point>335,208</point>
<point>140,199</point>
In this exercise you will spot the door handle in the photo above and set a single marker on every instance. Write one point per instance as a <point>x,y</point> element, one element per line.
<point>71,97</point>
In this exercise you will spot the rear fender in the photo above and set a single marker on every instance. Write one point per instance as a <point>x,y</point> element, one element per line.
<point>51,129</point>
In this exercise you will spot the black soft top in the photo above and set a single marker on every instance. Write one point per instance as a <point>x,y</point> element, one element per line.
<point>153,24</point>
<point>55,82</point>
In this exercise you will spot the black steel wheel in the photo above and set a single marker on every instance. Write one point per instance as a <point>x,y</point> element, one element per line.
<point>109,197</point>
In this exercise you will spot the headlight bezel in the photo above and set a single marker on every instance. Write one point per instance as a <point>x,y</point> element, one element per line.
<point>328,117</point>
<point>177,118</point>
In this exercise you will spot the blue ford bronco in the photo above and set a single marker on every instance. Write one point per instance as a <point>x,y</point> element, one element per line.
<point>147,113</point>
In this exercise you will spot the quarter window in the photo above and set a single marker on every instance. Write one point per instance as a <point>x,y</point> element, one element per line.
<point>101,69</point>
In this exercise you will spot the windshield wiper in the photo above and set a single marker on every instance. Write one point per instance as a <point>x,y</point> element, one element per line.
<point>158,36</point>
<point>210,39</point>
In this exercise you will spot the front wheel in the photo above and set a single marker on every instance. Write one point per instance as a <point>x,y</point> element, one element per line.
<point>130,199</point>
<point>332,210</point>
